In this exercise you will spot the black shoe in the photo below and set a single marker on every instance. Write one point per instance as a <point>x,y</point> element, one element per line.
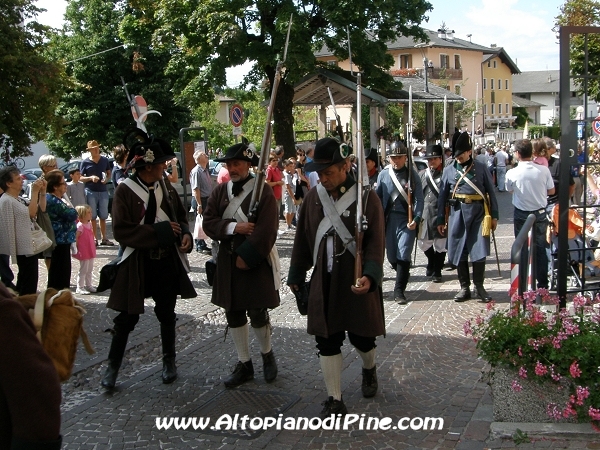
<point>484,297</point>
<point>110,376</point>
<point>269,366</point>
<point>437,278</point>
<point>428,273</point>
<point>369,382</point>
<point>169,372</point>
<point>400,298</point>
<point>241,373</point>
<point>331,406</point>
<point>463,295</point>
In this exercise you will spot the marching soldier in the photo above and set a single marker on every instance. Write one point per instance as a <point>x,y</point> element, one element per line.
<point>467,212</point>
<point>430,240</point>
<point>336,301</point>
<point>246,284</point>
<point>401,194</point>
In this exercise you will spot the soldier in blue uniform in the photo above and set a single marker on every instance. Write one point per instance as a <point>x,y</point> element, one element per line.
<point>430,240</point>
<point>395,191</point>
<point>467,193</point>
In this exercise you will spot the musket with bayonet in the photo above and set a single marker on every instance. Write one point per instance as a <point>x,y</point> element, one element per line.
<point>362,178</point>
<point>338,128</point>
<point>266,141</point>
<point>409,155</point>
<point>139,116</point>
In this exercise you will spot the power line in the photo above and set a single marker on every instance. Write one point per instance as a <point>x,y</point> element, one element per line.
<point>94,54</point>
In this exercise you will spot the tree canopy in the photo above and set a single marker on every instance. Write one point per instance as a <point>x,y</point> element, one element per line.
<point>30,84</point>
<point>213,35</point>
<point>585,49</point>
<point>92,47</point>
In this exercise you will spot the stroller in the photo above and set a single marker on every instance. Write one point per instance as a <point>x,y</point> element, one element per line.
<point>583,266</point>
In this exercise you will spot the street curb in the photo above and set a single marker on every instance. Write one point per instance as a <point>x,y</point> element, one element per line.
<point>504,430</point>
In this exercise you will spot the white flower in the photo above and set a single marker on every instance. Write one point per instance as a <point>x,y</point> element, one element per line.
<point>149,156</point>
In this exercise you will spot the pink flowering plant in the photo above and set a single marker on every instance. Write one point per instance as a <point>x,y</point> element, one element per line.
<point>558,346</point>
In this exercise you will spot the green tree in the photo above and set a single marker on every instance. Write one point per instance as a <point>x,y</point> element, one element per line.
<point>95,106</point>
<point>584,48</point>
<point>215,35</point>
<point>30,83</point>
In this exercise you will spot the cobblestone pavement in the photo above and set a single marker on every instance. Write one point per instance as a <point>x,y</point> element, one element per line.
<point>425,364</point>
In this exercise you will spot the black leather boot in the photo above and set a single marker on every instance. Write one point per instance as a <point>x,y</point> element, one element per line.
<point>402,275</point>
<point>115,358</point>
<point>438,266</point>
<point>269,366</point>
<point>241,373</point>
<point>167,335</point>
<point>369,382</point>
<point>430,253</point>
<point>465,282</point>
<point>478,279</point>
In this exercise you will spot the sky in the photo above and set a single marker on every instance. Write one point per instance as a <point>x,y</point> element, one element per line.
<point>522,27</point>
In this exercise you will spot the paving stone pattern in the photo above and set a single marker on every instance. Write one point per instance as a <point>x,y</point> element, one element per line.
<point>425,365</point>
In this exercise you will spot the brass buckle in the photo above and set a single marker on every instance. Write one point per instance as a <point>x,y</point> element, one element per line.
<point>468,200</point>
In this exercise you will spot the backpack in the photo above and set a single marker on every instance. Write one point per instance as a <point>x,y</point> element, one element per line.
<point>58,319</point>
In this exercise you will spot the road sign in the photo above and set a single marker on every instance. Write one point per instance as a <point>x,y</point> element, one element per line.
<point>596,125</point>
<point>236,114</point>
<point>580,127</point>
<point>237,131</point>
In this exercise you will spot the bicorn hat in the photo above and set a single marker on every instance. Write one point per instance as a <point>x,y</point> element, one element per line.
<point>328,151</point>
<point>463,143</point>
<point>372,155</point>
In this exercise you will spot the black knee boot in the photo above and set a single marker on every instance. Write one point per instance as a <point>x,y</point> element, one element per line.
<point>402,275</point>
<point>478,279</point>
<point>115,357</point>
<point>465,282</point>
<point>430,253</point>
<point>438,266</point>
<point>167,335</point>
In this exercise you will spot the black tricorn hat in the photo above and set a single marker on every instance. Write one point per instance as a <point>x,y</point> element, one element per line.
<point>463,143</point>
<point>147,150</point>
<point>434,151</point>
<point>328,151</point>
<point>242,152</point>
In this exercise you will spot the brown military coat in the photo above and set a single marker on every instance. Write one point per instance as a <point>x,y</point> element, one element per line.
<point>332,306</point>
<point>127,294</point>
<point>235,289</point>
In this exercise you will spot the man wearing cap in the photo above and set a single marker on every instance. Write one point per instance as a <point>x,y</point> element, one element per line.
<point>468,192</point>
<point>151,223</point>
<point>430,240</point>
<point>246,281</point>
<point>337,301</point>
<point>400,191</point>
<point>95,173</point>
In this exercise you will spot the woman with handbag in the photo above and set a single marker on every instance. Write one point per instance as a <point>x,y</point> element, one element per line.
<point>63,218</point>
<point>15,220</point>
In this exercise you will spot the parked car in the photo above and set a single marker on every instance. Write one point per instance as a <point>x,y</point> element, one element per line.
<point>28,178</point>
<point>36,171</point>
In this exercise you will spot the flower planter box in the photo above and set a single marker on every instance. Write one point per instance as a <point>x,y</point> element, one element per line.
<point>527,405</point>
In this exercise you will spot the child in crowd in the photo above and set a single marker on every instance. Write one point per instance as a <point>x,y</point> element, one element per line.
<point>289,205</point>
<point>76,189</point>
<point>540,152</point>
<point>86,250</point>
